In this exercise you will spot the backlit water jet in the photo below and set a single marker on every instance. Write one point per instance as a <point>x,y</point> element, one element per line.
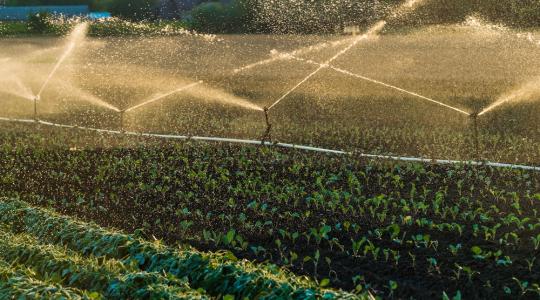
<point>297,52</point>
<point>482,25</point>
<point>374,30</point>
<point>530,91</point>
<point>79,94</point>
<point>403,9</point>
<point>14,86</point>
<point>383,84</point>
<point>152,100</point>
<point>207,93</point>
<point>160,97</point>
<point>76,36</point>
<point>10,81</point>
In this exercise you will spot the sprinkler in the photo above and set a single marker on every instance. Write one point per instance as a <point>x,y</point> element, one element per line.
<point>474,122</point>
<point>267,134</point>
<point>36,99</point>
<point>122,112</point>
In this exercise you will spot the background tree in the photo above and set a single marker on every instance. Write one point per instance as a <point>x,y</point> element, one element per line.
<point>135,10</point>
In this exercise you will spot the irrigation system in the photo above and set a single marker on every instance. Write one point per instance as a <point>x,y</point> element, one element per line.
<point>267,134</point>
<point>283,145</point>
<point>474,121</point>
<point>266,139</point>
<point>36,99</point>
<point>373,31</point>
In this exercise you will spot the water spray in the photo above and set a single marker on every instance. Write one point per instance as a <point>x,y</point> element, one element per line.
<point>373,31</point>
<point>152,100</point>
<point>183,88</point>
<point>403,9</point>
<point>348,73</point>
<point>528,91</point>
<point>300,51</point>
<point>76,35</point>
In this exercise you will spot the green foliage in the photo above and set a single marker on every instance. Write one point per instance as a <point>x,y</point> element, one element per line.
<point>43,24</point>
<point>215,17</point>
<point>39,23</point>
<point>452,226</point>
<point>292,16</point>
<point>517,13</point>
<point>134,10</point>
<point>122,266</point>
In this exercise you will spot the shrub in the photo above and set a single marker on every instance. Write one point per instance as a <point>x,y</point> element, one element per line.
<point>134,10</point>
<point>39,23</point>
<point>215,17</point>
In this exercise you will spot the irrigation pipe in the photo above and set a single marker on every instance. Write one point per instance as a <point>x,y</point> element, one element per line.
<point>285,145</point>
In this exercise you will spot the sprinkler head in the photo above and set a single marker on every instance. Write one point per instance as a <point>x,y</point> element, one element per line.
<point>266,136</point>
<point>474,115</point>
<point>265,110</point>
<point>37,98</point>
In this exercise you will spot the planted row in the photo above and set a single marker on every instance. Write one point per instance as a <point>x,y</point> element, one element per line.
<point>216,274</point>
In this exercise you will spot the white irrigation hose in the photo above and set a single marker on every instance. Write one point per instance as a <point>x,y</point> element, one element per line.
<point>285,145</point>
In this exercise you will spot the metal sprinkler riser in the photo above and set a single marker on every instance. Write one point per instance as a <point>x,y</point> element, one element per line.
<point>267,133</point>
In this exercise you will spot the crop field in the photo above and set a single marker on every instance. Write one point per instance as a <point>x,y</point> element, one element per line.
<point>45,255</point>
<point>88,214</point>
<point>393,229</point>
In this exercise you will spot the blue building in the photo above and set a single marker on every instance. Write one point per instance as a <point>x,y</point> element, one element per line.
<point>21,13</point>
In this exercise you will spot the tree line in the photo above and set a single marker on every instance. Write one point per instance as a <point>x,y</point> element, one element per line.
<point>314,16</point>
<point>321,16</point>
